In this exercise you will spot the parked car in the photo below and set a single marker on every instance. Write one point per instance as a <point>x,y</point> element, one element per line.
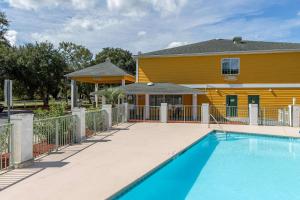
<point>1,108</point>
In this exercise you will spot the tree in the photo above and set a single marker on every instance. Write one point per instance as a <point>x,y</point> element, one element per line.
<point>77,57</point>
<point>41,68</point>
<point>111,94</point>
<point>4,23</point>
<point>120,57</point>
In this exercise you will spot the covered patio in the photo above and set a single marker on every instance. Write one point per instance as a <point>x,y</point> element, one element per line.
<point>104,73</point>
<point>145,100</point>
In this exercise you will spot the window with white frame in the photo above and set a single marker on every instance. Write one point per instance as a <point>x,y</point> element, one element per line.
<point>230,66</point>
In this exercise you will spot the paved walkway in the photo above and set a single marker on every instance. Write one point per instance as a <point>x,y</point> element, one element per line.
<point>104,164</point>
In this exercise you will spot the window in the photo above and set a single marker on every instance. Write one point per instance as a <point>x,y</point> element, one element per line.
<point>230,66</point>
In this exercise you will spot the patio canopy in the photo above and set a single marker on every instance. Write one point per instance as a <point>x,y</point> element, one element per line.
<point>106,73</point>
<point>157,88</point>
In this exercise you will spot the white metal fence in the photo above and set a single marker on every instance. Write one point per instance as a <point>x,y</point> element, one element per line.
<point>95,121</point>
<point>274,116</point>
<point>5,146</point>
<point>138,113</point>
<point>52,133</point>
<point>118,113</point>
<point>184,113</point>
<point>229,114</point>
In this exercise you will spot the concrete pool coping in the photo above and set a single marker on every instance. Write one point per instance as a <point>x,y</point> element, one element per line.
<point>107,163</point>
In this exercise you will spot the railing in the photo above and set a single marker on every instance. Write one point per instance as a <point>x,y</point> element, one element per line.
<point>184,113</point>
<point>95,121</point>
<point>274,116</point>
<point>50,134</point>
<point>143,113</point>
<point>118,113</point>
<point>229,114</point>
<point>5,146</point>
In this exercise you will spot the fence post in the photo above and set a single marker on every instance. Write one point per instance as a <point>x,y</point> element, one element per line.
<point>205,113</point>
<point>194,107</point>
<point>80,113</point>
<point>163,112</point>
<point>22,139</point>
<point>253,114</point>
<point>296,116</point>
<point>56,134</point>
<point>108,109</point>
<point>125,116</point>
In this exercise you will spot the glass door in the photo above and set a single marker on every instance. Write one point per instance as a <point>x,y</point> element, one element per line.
<point>231,106</point>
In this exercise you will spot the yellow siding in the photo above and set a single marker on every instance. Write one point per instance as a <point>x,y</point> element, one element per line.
<point>274,98</point>
<point>254,68</point>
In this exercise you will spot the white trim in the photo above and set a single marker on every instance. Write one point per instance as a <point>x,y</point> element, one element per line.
<point>220,53</point>
<point>250,85</point>
<point>137,70</point>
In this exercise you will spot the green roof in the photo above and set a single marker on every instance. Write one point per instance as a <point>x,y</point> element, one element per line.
<point>225,46</point>
<point>158,88</point>
<point>103,69</point>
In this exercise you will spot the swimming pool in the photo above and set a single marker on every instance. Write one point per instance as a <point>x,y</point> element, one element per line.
<point>236,166</point>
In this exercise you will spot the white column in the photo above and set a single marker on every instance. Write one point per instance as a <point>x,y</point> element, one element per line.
<point>195,106</point>
<point>80,113</point>
<point>291,115</point>
<point>296,116</point>
<point>123,82</point>
<point>253,114</point>
<point>73,94</point>
<point>103,99</point>
<point>163,112</point>
<point>205,113</point>
<point>22,139</point>
<point>108,109</point>
<point>96,95</point>
<point>125,117</point>
<point>147,108</point>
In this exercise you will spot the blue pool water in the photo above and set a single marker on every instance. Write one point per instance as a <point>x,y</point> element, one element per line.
<point>239,167</point>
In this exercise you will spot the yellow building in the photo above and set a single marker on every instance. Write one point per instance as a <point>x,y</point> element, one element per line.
<point>229,72</point>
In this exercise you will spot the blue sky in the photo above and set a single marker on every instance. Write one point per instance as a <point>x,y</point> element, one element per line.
<point>145,25</point>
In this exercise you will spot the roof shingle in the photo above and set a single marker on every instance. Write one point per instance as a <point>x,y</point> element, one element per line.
<point>223,46</point>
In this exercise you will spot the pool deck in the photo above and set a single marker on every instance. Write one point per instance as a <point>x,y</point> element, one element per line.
<point>106,163</point>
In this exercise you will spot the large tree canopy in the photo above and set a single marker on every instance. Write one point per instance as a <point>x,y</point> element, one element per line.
<point>41,68</point>
<point>120,57</point>
<point>76,56</point>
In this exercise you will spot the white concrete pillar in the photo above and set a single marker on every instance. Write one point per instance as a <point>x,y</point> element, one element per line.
<point>147,104</point>
<point>125,117</point>
<point>163,115</point>
<point>80,113</point>
<point>296,116</point>
<point>195,106</point>
<point>291,115</point>
<point>96,95</point>
<point>253,114</point>
<point>205,113</point>
<point>22,139</point>
<point>74,94</point>
<point>123,82</point>
<point>103,99</point>
<point>108,109</point>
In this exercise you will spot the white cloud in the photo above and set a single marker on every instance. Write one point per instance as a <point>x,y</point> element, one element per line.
<point>11,36</point>
<point>36,4</point>
<point>176,44</point>
<point>140,8</point>
<point>141,33</point>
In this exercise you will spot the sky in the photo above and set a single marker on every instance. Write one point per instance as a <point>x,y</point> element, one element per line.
<point>147,25</point>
